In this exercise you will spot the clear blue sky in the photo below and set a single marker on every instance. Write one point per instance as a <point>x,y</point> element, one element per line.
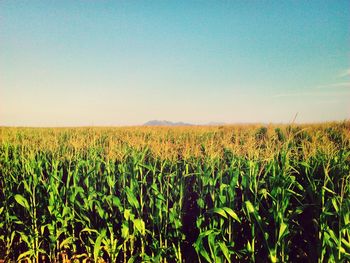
<point>69,63</point>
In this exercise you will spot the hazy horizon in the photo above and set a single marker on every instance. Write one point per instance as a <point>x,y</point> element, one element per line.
<point>291,122</point>
<point>86,63</point>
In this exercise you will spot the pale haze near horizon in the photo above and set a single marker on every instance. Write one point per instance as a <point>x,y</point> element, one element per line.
<point>82,63</point>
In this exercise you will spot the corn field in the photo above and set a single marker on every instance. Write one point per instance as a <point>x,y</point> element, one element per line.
<point>244,193</point>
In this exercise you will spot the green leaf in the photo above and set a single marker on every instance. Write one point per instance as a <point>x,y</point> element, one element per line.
<point>66,242</point>
<point>132,259</point>
<point>25,255</point>
<point>283,228</point>
<point>26,186</point>
<point>249,247</point>
<point>42,229</point>
<point>22,201</point>
<point>97,247</point>
<point>198,245</point>
<point>101,212</point>
<point>125,231</point>
<point>220,211</point>
<point>249,207</point>
<point>200,203</point>
<point>127,213</point>
<point>206,233</point>
<point>224,250</point>
<point>332,235</point>
<point>335,205</point>
<point>24,237</point>
<point>160,197</point>
<point>140,226</point>
<point>86,229</point>
<point>211,243</point>
<point>66,211</point>
<point>232,213</point>
<point>50,208</point>
<point>273,257</point>
<point>264,193</point>
<point>346,243</point>
<point>131,198</point>
<point>116,202</point>
<point>305,164</point>
<point>89,230</point>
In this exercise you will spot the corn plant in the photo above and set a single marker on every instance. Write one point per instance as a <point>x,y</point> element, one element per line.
<point>181,194</point>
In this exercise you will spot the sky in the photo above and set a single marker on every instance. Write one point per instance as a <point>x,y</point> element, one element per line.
<point>106,63</point>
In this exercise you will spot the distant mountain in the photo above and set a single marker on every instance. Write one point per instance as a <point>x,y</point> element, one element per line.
<point>215,123</point>
<point>165,123</point>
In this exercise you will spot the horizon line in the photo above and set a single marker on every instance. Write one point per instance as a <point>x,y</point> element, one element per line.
<point>179,126</point>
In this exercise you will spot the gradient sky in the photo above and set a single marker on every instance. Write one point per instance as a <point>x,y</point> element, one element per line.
<point>71,63</point>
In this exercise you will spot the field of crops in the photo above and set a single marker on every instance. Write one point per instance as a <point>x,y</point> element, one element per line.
<point>182,194</point>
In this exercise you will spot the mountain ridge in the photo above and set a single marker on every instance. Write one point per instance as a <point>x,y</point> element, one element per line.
<point>180,123</point>
<point>166,123</point>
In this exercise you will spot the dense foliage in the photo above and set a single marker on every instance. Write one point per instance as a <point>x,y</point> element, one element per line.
<point>182,194</point>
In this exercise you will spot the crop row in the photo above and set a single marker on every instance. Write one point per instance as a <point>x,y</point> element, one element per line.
<point>289,203</point>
